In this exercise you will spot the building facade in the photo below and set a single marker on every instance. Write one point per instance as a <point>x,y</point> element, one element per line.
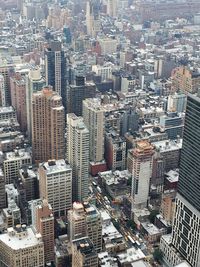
<point>77,155</point>
<point>45,226</point>
<point>93,116</point>
<point>186,225</point>
<point>20,246</point>
<point>48,126</point>
<point>140,161</point>
<point>55,180</point>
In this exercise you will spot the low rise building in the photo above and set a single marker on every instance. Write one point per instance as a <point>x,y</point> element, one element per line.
<point>115,183</point>
<point>130,257</point>
<point>151,232</point>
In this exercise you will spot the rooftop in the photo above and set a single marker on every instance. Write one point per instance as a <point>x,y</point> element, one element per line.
<point>54,166</point>
<point>20,238</point>
<point>167,145</point>
<point>131,255</point>
<point>84,245</point>
<point>172,176</point>
<point>4,110</point>
<point>17,154</point>
<point>150,228</point>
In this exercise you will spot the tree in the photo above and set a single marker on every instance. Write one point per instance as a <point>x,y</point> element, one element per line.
<point>153,215</point>
<point>158,255</point>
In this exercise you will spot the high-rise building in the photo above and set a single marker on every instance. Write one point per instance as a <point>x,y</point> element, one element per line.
<point>186,225</point>
<point>48,126</point>
<point>5,71</point>
<point>92,17</point>
<point>93,115</point>
<point>55,69</point>
<point>85,221</point>
<point>55,183</point>
<point>34,82</point>
<point>140,161</point>
<point>78,155</point>
<point>20,246</point>
<point>185,80</point>
<point>158,171</point>
<point>77,222</point>
<point>83,253</point>
<point>112,8</point>
<point>45,226</point>
<point>2,191</point>
<point>2,91</point>
<point>18,99</point>
<point>94,226</point>
<point>77,93</point>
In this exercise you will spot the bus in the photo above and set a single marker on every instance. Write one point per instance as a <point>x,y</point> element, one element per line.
<point>131,240</point>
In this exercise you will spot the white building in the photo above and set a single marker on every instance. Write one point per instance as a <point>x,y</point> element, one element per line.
<point>15,161</point>
<point>93,115</point>
<point>7,114</point>
<point>104,71</point>
<point>55,180</point>
<point>108,45</point>
<point>140,165</point>
<point>170,255</point>
<point>78,155</point>
<point>177,102</point>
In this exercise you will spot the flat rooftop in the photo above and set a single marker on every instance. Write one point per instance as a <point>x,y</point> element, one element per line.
<point>53,166</point>
<point>26,239</point>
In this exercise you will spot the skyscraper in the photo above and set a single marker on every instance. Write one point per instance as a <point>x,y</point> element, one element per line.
<point>94,226</point>
<point>92,17</point>
<point>93,115</point>
<point>55,179</point>
<point>112,8</point>
<point>2,91</point>
<point>45,226</point>
<point>48,125</point>
<point>140,161</point>
<point>2,191</point>
<point>85,221</point>
<point>77,93</point>
<point>78,155</point>
<point>34,82</point>
<point>55,69</point>
<point>18,99</point>
<point>186,226</point>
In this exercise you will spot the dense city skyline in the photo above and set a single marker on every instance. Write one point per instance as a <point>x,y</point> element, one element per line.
<point>99,133</point>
